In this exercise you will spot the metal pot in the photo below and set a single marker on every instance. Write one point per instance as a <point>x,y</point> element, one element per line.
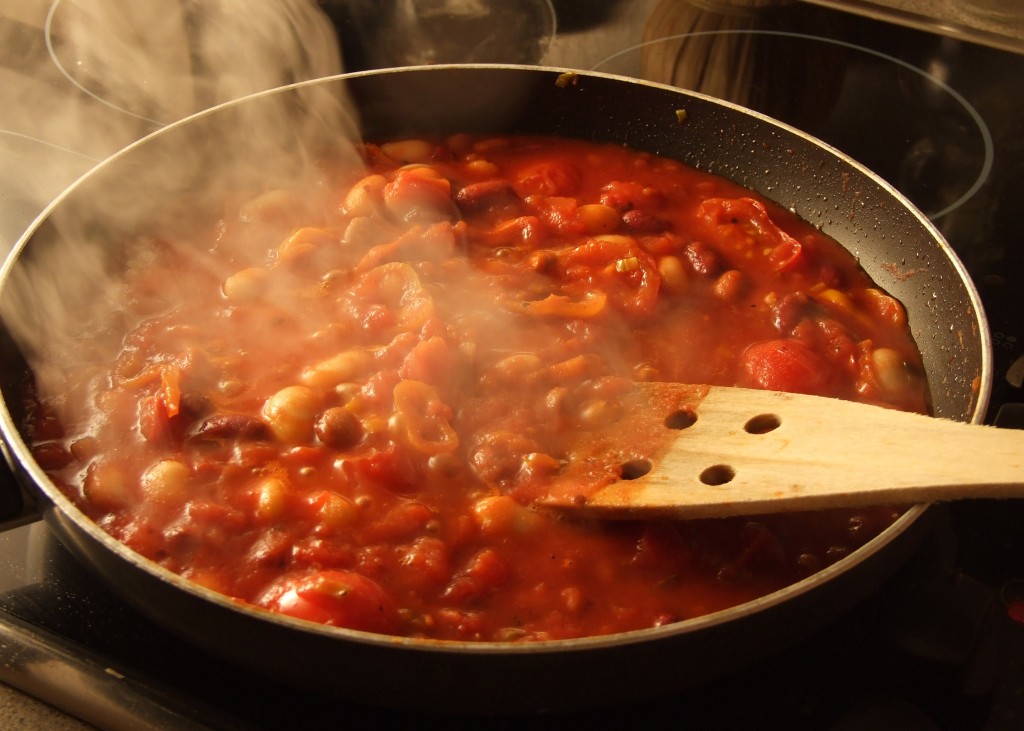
<point>896,245</point>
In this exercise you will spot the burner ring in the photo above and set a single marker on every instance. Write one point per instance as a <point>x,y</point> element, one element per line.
<point>917,160</point>
<point>51,49</point>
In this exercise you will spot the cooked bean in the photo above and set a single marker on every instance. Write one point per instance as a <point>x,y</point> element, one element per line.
<point>597,218</point>
<point>346,392</point>
<point>789,310</point>
<point>85,448</point>
<point>673,274</point>
<point>482,168</point>
<point>107,487</point>
<point>271,499</point>
<point>704,260</point>
<point>617,240</point>
<point>500,515</point>
<point>409,151</point>
<point>515,366</point>
<point>246,285</point>
<point>478,196</point>
<point>499,455</point>
<point>364,231</point>
<point>52,455</point>
<point>644,222</point>
<point>556,400</point>
<point>290,413</point>
<point>365,197</point>
<point>730,285</point>
<point>166,480</point>
<point>231,426</point>
<point>420,195</point>
<point>539,465</point>
<point>345,366</point>
<point>597,413</point>
<point>336,513</point>
<point>339,428</point>
<point>305,242</point>
<point>891,370</point>
<point>445,464</point>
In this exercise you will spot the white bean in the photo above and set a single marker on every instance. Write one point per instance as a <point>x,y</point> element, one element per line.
<point>673,274</point>
<point>290,414</point>
<point>891,371</point>
<point>345,366</point>
<point>365,197</point>
<point>246,285</point>
<point>336,513</point>
<point>500,514</point>
<point>106,487</point>
<point>407,151</point>
<point>271,498</point>
<point>597,218</point>
<point>165,480</point>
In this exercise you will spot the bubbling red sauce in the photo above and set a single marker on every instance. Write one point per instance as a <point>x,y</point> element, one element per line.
<point>337,403</point>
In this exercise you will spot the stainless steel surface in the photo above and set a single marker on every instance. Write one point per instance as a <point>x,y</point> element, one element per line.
<point>86,688</point>
<point>997,23</point>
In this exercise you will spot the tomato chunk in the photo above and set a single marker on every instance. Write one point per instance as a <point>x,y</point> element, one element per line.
<point>785,365</point>
<point>337,598</point>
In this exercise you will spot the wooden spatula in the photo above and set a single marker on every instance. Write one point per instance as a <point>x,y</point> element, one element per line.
<point>720,451</point>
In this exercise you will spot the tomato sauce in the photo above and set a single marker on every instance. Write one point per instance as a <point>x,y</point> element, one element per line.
<point>337,403</point>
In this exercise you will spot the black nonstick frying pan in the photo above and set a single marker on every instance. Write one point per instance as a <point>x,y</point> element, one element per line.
<point>896,245</point>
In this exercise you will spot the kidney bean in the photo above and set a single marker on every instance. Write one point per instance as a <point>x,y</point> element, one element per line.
<point>789,310</point>
<point>231,426</point>
<point>643,222</point>
<point>479,196</point>
<point>703,259</point>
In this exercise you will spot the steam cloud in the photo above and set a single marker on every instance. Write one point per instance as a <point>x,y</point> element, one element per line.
<point>136,66</point>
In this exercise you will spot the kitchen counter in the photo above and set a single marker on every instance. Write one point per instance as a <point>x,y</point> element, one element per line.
<point>19,712</point>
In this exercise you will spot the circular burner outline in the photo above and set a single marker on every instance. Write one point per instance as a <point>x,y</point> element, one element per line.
<point>983,130</point>
<point>54,146</point>
<point>52,51</point>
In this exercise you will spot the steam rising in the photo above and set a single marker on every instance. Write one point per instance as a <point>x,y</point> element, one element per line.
<point>137,65</point>
<point>161,61</point>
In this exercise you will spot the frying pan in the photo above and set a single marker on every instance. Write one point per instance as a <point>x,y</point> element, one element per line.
<point>896,245</point>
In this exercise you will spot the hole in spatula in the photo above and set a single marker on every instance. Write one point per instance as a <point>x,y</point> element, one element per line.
<point>635,468</point>
<point>762,424</point>
<point>718,474</point>
<point>682,419</point>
